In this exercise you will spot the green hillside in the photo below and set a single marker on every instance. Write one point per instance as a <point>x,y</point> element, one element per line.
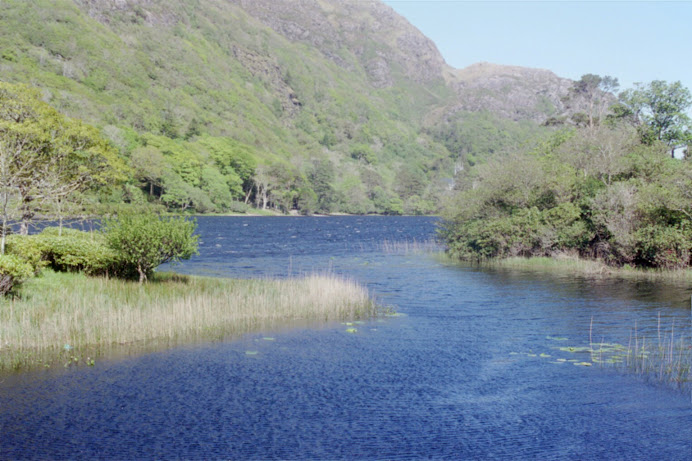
<point>324,106</point>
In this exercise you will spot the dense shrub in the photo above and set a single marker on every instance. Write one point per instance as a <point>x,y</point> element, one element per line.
<point>596,194</point>
<point>68,250</point>
<point>13,271</point>
<point>76,251</point>
<point>30,248</point>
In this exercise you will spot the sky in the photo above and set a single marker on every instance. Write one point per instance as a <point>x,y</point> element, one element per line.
<point>635,41</point>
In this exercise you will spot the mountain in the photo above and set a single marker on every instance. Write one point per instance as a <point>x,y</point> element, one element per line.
<point>314,105</point>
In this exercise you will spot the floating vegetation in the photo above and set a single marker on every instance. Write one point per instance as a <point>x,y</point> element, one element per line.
<point>665,357</point>
<point>251,352</point>
<point>351,330</point>
<point>395,314</point>
<point>269,339</point>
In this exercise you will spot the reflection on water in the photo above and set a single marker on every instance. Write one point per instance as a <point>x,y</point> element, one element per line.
<point>472,371</point>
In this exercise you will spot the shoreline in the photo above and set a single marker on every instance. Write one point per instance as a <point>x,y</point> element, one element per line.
<point>578,266</point>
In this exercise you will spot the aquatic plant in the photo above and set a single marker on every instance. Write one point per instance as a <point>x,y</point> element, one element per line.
<point>407,247</point>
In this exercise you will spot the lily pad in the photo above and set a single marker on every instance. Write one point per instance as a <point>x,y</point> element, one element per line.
<point>351,330</point>
<point>574,349</point>
<point>269,339</point>
<point>251,352</point>
<point>583,364</point>
<point>544,356</point>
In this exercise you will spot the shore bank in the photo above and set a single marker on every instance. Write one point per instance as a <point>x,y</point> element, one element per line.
<point>583,267</point>
<point>63,319</point>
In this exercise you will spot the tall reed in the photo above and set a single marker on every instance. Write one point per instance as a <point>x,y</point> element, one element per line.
<point>70,314</point>
<point>407,247</point>
<point>667,357</point>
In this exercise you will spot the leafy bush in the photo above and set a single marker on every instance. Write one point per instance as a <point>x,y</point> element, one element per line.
<point>663,247</point>
<point>145,241</point>
<point>67,251</point>
<point>13,271</point>
<point>29,248</point>
<point>77,251</point>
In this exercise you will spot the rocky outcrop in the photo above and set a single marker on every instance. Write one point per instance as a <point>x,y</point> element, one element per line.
<point>517,93</point>
<point>383,43</point>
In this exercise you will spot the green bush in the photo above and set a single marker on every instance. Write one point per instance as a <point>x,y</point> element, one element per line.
<point>83,252</point>
<point>13,271</point>
<point>30,248</point>
<point>145,241</point>
<point>663,247</point>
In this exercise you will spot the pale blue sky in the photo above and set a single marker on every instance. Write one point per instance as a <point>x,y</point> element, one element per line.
<point>635,41</point>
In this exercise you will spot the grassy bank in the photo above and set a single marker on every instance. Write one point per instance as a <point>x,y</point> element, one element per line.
<point>586,267</point>
<point>70,317</point>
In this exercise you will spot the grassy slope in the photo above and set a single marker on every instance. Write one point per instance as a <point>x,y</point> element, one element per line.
<point>131,74</point>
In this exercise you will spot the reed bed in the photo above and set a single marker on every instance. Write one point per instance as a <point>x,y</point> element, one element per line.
<point>569,264</point>
<point>407,247</point>
<point>59,316</point>
<point>666,357</point>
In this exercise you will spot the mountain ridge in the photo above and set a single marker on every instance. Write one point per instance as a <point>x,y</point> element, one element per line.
<point>351,87</point>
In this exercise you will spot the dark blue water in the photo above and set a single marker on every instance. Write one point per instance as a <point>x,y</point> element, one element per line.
<point>461,376</point>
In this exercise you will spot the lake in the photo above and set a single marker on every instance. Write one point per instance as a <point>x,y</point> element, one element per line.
<point>476,367</point>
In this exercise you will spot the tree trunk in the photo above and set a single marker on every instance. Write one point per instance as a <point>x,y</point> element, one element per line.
<point>142,275</point>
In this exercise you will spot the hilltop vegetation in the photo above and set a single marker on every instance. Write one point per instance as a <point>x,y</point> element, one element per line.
<point>315,106</point>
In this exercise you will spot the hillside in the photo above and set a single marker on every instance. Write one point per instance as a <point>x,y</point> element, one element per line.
<point>308,105</point>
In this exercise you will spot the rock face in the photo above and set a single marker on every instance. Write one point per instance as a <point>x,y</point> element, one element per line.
<point>369,38</point>
<point>383,42</point>
<point>389,48</point>
<point>512,92</point>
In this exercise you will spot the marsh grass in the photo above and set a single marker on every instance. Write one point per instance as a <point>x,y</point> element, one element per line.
<point>72,318</point>
<point>666,357</point>
<point>663,355</point>
<point>569,264</point>
<point>407,247</point>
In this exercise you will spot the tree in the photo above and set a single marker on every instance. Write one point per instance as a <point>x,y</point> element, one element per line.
<point>659,108</point>
<point>45,156</point>
<point>321,178</point>
<point>597,91</point>
<point>150,166</point>
<point>145,241</point>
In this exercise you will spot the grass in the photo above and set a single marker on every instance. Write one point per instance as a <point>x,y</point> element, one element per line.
<point>663,354</point>
<point>407,247</point>
<point>71,318</point>
<point>587,267</point>
<point>667,357</point>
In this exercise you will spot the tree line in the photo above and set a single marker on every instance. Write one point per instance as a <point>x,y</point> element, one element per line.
<point>604,185</point>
